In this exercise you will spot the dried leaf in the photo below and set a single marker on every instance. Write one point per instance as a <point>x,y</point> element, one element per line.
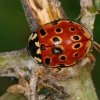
<point>19,88</point>
<point>16,89</point>
<point>23,82</point>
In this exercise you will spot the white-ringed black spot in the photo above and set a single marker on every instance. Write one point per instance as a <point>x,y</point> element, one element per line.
<point>76,37</point>
<point>63,58</point>
<point>55,39</point>
<point>47,60</point>
<point>56,50</point>
<point>77,45</point>
<point>76,54</point>
<point>72,29</point>
<point>58,30</point>
<point>82,30</point>
<point>42,32</point>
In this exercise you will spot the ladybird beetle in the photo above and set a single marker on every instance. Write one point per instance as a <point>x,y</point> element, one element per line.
<point>61,43</point>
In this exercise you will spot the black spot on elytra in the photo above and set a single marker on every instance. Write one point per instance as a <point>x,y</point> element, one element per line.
<point>76,37</point>
<point>63,58</point>
<point>42,47</point>
<point>56,50</point>
<point>32,48</point>
<point>58,30</point>
<point>82,30</point>
<point>72,29</point>
<point>42,32</point>
<point>47,61</point>
<point>77,45</point>
<point>76,54</point>
<point>55,39</point>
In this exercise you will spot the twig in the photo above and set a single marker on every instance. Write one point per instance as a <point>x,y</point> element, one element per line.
<point>88,17</point>
<point>11,62</point>
<point>41,12</point>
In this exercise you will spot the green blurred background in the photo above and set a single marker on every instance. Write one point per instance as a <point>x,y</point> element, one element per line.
<point>14,32</point>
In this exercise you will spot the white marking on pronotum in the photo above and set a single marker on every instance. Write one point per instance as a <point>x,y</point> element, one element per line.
<point>32,36</point>
<point>37,44</point>
<point>37,59</point>
<point>38,51</point>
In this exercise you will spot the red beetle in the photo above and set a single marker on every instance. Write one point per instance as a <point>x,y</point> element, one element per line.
<point>61,43</point>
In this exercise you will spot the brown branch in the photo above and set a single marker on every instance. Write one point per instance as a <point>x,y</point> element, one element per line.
<point>42,11</point>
